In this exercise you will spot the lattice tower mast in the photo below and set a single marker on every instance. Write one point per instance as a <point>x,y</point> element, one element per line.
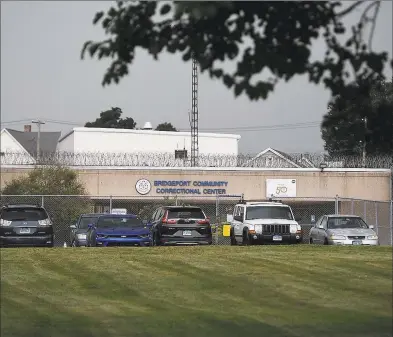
<point>194,115</point>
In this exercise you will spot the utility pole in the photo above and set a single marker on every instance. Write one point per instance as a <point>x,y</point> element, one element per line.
<point>364,141</point>
<point>39,123</point>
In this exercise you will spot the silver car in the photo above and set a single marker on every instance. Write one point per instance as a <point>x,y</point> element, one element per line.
<point>343,230</point>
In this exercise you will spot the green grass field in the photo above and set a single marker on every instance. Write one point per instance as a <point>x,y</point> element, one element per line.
<point>197,291</point>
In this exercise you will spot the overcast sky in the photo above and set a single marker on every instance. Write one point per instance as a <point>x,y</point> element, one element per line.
<point>42,76</point>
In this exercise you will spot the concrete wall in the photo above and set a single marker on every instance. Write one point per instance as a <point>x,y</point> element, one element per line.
<point>311,183</point>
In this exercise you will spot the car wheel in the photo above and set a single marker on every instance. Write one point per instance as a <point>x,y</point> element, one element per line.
<point>155,241</point>
<point>310,241</point>
<point>73,244</point>
<point>246,239</point>
<point>326,242</point>
<point>233,239</point>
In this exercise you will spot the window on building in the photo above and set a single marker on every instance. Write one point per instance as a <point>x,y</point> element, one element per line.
<point>180,154</point>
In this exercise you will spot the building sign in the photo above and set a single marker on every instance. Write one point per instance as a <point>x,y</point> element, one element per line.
<point>120,211</point>
<point>143,186</point>
<point>185,187</point>
<point>281,188</point>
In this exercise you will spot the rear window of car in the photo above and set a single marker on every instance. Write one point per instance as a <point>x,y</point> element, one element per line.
<point>185,213</point>
<point>24,214</point>
<point>86,221</point>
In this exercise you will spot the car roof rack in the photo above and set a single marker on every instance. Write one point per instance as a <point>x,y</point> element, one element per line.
<point>250,202</point>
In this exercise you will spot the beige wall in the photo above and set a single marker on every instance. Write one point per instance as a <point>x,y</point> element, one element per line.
<point>370,185</point>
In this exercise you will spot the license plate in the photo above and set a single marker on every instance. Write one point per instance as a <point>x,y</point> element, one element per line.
<point>186,233</point>
<point>24,231</point>
<point>277,238</point>
<point>357,243</point>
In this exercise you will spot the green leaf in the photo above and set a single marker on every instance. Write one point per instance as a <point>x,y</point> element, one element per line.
<point>98,17</point>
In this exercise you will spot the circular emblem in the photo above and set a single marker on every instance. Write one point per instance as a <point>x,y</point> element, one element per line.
<point>143,186</point>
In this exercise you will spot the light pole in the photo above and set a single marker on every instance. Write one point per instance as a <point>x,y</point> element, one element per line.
<point>39,123</point>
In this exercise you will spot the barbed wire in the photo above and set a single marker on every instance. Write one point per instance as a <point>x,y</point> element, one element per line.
<point>145,159</point>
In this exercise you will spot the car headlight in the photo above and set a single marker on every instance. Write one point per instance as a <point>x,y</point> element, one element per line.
<point>101,236</point>
<point>337,237</point>
<point>143,236</point>
<point>81,236</point>
<point>45,222</point>
<point>372,237</point>
<point>295,229</point>
<point>5,222</point>
<point>258,229</point>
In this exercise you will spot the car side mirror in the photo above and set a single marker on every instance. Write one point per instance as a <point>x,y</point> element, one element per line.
<point>90,226</point>
<point>73,226</point>
<point>371,226</point>
<point>298,219</point>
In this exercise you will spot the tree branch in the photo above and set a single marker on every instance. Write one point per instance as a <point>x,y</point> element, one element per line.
<point>349,9</point>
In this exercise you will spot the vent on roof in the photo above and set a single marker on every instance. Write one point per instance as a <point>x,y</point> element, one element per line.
<point>147,126</point>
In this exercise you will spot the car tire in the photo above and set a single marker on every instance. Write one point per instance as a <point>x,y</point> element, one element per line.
<point>310,241</point>
<point>73,243</point>
<point>246,239</point>
<point>233,239</point>
<point>155,241</point>
<point>326,242</point>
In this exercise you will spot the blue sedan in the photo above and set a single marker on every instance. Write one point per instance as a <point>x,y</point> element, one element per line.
<point>118,230</point>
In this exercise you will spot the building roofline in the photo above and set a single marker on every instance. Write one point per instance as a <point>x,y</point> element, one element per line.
<point>149,132</point>
<point>66,135</point>
<point>210,169</point>
<point>5,130</point>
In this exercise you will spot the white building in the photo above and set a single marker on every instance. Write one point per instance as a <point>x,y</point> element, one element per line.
<point>20,147</point>
<point>143,147</point>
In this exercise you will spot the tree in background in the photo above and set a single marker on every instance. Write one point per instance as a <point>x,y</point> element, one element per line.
<point>66,197</point>
<point>165,127</point>
<point>111,119</point>
<point>252,35</point>
<point>354,119</point>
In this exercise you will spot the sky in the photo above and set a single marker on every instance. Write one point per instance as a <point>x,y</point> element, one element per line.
<point>42,76</point>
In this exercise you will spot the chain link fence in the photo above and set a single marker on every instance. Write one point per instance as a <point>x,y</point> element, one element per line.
<point>377,213</point>
<point>65,210</point>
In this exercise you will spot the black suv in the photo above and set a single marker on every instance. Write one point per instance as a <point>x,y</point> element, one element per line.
<point>179,225</point>
<point>25,225</point>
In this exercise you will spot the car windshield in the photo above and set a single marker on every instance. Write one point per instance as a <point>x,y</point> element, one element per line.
<point>185,213</point>
<point>86,221</point>
<point>346,222</point>
<point>268,212</point>
<point>116,222</point>
<point>24,214</point>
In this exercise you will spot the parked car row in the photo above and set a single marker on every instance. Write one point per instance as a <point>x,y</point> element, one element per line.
<point>270,222</point>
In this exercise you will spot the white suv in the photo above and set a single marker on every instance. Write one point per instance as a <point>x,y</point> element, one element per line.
<point>264,222</point>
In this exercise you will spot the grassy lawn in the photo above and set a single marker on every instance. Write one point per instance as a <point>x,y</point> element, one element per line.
<point>197,291</point>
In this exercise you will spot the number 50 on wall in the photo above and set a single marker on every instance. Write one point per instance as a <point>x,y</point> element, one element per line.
<point>284,188</point>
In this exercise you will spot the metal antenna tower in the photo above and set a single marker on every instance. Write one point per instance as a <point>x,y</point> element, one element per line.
<point>194,115</point>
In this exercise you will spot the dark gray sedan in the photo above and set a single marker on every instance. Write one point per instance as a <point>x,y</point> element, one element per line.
<point>343,230</point>
<point>79,230</point>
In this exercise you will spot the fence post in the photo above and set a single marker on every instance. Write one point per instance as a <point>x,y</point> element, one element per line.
<point>365,210</point>
<point>42,201</point>
<point>110,204</point>
<point>391,222</point>
<point>336,200</point>
<point>218,221</point>
<point>376,217</point>
<point>352,206</point>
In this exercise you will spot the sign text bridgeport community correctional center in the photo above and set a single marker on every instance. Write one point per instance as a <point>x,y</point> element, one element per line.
<point>190,187</point>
